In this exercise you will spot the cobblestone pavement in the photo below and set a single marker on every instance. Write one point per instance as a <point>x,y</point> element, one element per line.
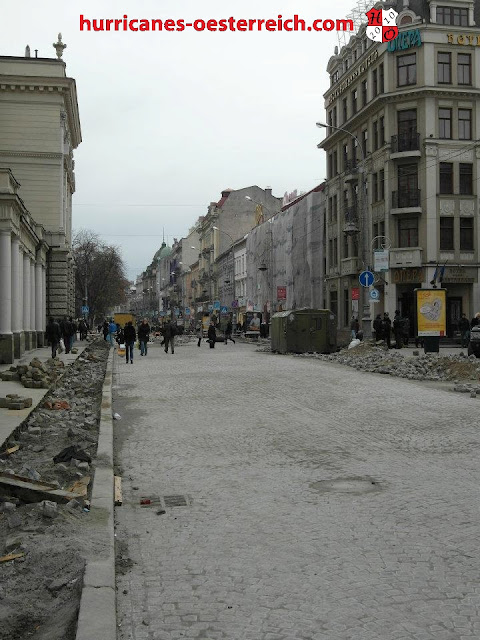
<point>326,503</point>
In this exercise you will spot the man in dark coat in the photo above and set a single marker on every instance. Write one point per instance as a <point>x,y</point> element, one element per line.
<point>212,335</point>
<point>386,328</point>
<point>169,333</point>
<point>377,327</point>
<point>464,328</point>
<point>228,332</point>
<point>66,329</point>
<point>130,337</point>
<point>53,335</point>
<point>398,330</point>
<point>144,336</point>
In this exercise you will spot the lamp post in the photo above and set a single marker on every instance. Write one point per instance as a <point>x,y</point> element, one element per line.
<point>362,229</point>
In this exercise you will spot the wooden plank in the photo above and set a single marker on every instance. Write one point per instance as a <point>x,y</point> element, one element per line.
<point>11,556</point>
<point>80,486</point>
<point>31,491</point>
<point>118,491</point>
<point>8,452</point>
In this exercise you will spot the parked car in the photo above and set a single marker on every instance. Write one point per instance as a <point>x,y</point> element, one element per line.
<point>474,344</point>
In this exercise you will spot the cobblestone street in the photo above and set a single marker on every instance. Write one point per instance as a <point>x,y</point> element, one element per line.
<point>323,503</point>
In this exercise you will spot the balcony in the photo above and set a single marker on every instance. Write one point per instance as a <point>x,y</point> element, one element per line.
<point>405,257</point>
<point>406,201</point>
<point>350,226</point>
<point>349,266</point>
<point>351,171</point>
<point>405,145</point>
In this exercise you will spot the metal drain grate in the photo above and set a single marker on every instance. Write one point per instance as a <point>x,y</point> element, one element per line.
<point>175,501</point>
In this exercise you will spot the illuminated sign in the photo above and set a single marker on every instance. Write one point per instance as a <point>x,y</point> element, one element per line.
<point>405,40</point>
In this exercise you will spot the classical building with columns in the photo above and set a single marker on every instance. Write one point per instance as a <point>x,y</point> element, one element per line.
<point>39,129</point>
<point>403,161</point>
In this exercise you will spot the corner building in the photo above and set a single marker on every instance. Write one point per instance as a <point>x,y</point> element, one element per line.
<point>403,160</point>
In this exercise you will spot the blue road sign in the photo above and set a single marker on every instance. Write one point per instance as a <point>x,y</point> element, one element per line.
<point>187,311</point>
<point>224,310</point>
<point>366,278</point>
<point>210,307</point>
<point>216,305</point>
<point>85,309</point>
<point>374,295</point>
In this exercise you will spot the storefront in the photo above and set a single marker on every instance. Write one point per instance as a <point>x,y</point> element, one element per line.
<point>458,281</point>
<point>406,281</point>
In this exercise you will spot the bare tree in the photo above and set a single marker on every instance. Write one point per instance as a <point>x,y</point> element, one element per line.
<point>100,280</point>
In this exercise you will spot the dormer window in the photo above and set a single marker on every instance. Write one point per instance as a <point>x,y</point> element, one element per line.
<point>452,16</point>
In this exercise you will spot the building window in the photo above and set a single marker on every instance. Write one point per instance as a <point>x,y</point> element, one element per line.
<point>334,303</point>
<point>452,16</point>
<point>354,100</point>
<point>334,118</point>
<point>408,232</point>
<point>381,184</point>
<point>381,131</point>
<point>466,179</point>
<point>446,177</point>
<point>375,135</point>
<point>354,152</point>
<point>464,68</point>
<point>364,93</point>
<point>466,234</point>
<point>375,82</point>
<point>334,77</point>
<point>446,234</point>
<point>335,252</point>
<point>345,110</point>
<point>445,123</point>
<point>334,212</point>
<point>345,156</point>
<point>375,188</point>
<point>381,78</point>
<point>464,124</point>
<point>407,184</point>
<point>346,307</point>
<point>355,246</point>
<point>335,163</point>
<point>345,245</point>
<point>444,68</point>
<point>406,70</point>
<point>364,141</point>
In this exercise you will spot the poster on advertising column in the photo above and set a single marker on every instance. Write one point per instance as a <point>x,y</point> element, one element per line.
<point>431,312</point>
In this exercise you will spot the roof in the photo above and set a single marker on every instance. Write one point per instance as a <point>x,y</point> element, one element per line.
<point>163,252</point>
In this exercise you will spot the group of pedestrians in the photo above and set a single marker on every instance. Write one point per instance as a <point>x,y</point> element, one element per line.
<point>212,334</point>
<point>465,326</point>
<point>384,328</point>
<point>62,334</point>
<point>129,335</point>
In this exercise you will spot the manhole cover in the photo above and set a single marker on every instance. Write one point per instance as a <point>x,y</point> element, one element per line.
<point>354,485</point>
<point>167,502</point>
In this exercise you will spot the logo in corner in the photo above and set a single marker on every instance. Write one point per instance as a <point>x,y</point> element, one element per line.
<point>382,25</point>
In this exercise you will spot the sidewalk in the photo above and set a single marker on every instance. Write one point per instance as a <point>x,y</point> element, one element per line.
<point>10,419</point>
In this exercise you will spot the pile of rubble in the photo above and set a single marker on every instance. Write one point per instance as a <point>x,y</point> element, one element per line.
<point>376,359</point>
<point>36,375</point>
<point>46,472</point>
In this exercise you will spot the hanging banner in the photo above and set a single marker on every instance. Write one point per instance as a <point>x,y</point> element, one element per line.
<point>380,260</point>
<point>431,312</point>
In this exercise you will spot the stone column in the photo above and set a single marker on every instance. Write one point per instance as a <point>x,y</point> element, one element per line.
<point>16,299</point>
<point>6,335</point>
<point>44,297</point>
<point>32,303</point>
<point>38,303</point>
<point>26,302</point>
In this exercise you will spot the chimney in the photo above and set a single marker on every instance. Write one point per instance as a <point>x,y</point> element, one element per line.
<point>27,51</point>
<point>268,191</point>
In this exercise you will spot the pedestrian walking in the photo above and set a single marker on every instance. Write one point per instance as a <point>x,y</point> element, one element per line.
<point>112,330</point>
<point>199,334</point>
<point>105,329</point>
<point>406,330</point>
<point>398,330</point>
<point>377,327</point>
<point>144,336</point>
<point>228,332</point>
<point>66,330</point>
<point>212,335</point>
<point>120,337</point>
<point>169,333</point>
<point>464,328</point>
<point>73,334</point>
<point>83,329</point>
<point>354,327</point>
<point>130,337</point>
<point>386,328</point>
<point>53,335</point>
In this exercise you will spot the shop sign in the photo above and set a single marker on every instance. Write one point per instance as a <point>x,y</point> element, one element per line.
<point>355,293</point>
<point>459,274</point>
<point>380,260</point>
<point>431,312</point>
<point>408,276</point>
<point>470,40</point>
<point>281,293</point>
<point>405,40</point>
<point>360,70</point>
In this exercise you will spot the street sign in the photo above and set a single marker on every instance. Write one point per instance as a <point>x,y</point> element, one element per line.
<point>366,278</point>
<point>355,293</point>
<point>374,295</point>
<point>162,314</point>
<point>187,311</point>
<point>85,309</point>
<point>235,304</point>
<point>224,310</point>
<point>210,307</point>
<point>380,257</point>
<point>216,304</point>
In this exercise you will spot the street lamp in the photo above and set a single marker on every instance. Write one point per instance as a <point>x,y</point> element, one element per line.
<point>350,230</point>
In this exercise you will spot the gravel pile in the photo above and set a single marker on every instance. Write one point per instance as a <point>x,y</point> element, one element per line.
<point>375,359</point>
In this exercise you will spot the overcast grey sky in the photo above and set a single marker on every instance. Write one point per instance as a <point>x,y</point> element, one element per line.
<point>169,119</point>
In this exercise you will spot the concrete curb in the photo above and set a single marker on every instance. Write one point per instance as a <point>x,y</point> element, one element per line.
<point>97,616</point>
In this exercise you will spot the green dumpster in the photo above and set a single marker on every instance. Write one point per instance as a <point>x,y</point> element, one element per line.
<point>303,331</point>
